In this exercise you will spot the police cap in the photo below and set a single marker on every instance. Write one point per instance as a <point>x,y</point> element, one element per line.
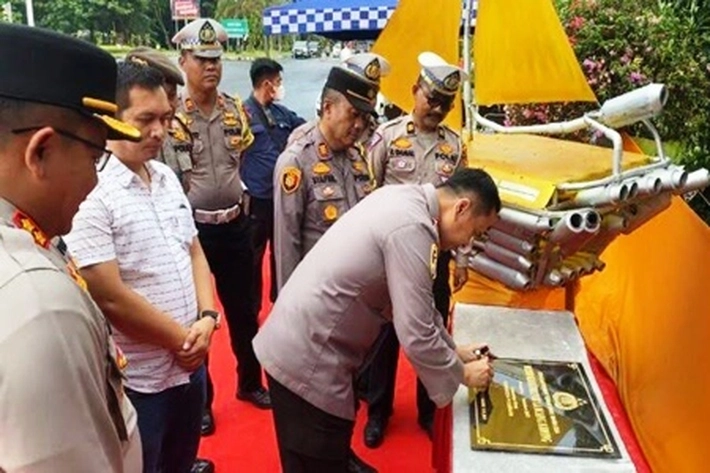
<point>156,60</point>
<point>358,79</point>
<point>202,37</point>
<point>49,68</point>
<point>441,76</point>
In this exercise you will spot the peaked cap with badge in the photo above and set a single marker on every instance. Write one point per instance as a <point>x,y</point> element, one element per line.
<point>358,79</point>
<point>202,37</point>
<point>157,60</point>
<point>54,69</point>
<point>442,77</point>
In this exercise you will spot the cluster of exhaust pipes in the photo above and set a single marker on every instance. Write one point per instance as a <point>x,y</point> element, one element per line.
<point>528,249</point>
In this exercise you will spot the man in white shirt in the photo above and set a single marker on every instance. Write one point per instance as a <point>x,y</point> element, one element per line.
<point>137,247</point>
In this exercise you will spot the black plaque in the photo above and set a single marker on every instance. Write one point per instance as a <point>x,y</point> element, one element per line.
<point>543,407</point>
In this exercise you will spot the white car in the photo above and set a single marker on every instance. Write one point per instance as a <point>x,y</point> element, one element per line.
<point>337,48</point>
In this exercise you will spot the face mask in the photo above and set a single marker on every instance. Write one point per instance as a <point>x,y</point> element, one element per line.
<point>280,93</point>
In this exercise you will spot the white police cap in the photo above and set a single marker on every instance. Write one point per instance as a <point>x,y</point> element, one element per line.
<point>441,76</point>
<point>203,37</point>
<point>369,66</point>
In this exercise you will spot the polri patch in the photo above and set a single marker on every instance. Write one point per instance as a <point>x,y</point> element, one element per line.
<point>290,179</point>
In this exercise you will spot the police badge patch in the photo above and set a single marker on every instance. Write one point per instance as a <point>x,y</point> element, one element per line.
<point>290,179</point>
<point>372,71</point>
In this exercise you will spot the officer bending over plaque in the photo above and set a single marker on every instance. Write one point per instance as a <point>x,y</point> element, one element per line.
<point>341,298</point>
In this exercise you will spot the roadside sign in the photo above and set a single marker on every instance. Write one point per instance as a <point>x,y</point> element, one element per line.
<point>236,27</point>
<point>185,9</point>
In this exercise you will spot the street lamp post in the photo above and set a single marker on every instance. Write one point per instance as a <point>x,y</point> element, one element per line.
<point>30,13</point>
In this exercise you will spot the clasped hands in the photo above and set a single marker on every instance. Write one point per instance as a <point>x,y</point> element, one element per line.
<point>196,345</point>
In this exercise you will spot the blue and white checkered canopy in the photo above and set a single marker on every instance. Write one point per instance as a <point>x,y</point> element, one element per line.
<point>360,17</point>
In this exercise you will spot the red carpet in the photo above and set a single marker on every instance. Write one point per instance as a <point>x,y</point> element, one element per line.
<point>244,440</point>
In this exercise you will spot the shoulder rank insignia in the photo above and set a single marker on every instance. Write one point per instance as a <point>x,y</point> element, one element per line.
<point>323,150</point>
<point>321,168</point>
<point>189,104</point>
<point>181,117</point>
<point>76,276</point>
<point>442,133</point>
<point>26,223</point>
<point>433,259</point>
<point>410,128</point>
<point>121,360</point>
<point>402,143</point>
<point>330,212</point>
<point>290,179</point>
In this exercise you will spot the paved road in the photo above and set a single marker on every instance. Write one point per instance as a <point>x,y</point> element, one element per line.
<point>303,78</point>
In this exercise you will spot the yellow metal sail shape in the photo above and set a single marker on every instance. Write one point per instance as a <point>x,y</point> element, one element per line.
<point>417,26</point>
<point>522,55</point>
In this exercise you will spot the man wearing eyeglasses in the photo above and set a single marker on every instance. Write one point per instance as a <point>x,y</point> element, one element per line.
<point>62,403</point>
<point>417,148</point>
<point>136,244</point>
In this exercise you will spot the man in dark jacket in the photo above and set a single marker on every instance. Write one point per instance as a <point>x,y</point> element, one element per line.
<point>271,124</point>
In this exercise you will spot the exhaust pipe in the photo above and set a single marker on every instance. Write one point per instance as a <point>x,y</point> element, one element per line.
<point>506,257</point>
<point>531,222</point>
<point>650,185</point>
<point>510,242</point>
<point>672,179</point>
<point>554,278</point>
<point>606,195</point>
<point>696,180</point>
<point>494,270</point>
<point>575,230</point>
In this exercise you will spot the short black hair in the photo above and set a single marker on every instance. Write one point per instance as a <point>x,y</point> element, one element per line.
<point>478,182</point>
<point>131,75</point>
<point>18,113</point>
<point>263,69</point>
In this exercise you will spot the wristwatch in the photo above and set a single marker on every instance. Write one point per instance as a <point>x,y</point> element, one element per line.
<point>214,314</point>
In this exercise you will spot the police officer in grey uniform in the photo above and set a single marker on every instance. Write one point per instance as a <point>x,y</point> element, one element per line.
<point>415,149</point>
<point>63,407</point>
<point>330,312</point>
<point>323,173</point>
<point>177,146</point>
<point>220,131</point>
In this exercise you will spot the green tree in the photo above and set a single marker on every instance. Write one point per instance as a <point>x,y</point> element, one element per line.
<point>252,10</point>
<point>100,20</point>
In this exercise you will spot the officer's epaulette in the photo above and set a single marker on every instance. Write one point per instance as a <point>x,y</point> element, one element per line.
<point>391,123</point>
<point>359,148</point>
<point>181,118</point>
<point>230,98</point>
